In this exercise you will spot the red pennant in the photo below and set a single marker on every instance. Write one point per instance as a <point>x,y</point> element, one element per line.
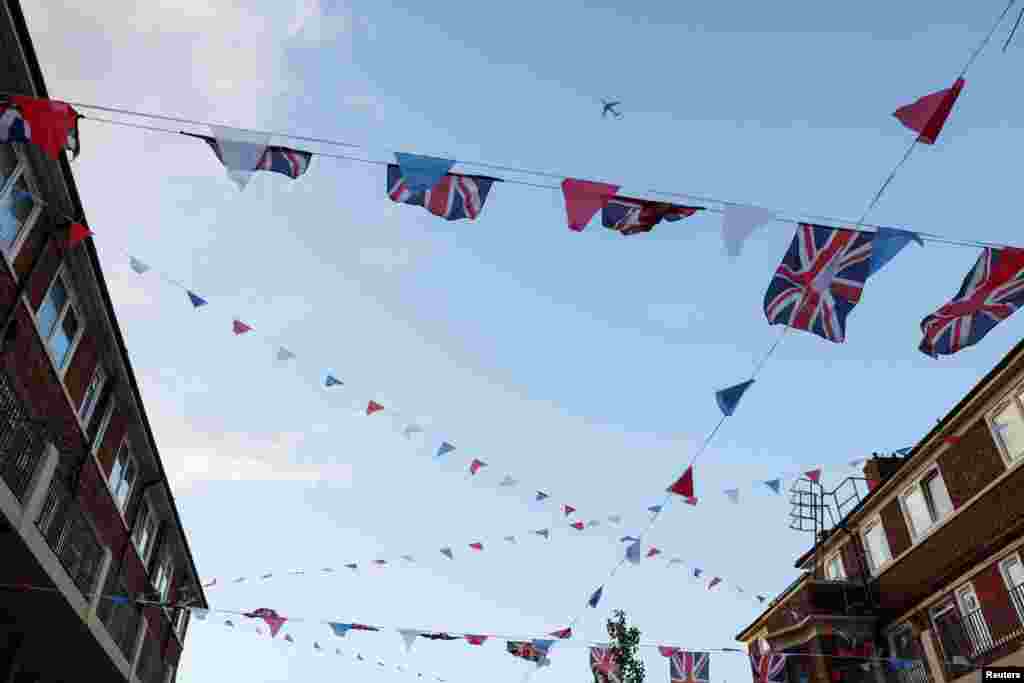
<point>652,552</point>
<point>583,199</point>
<point>569,509</point>
<point>667,651</point>
<point>813,475</point>
<point>928,114</point>
<point>691,500</point>
<point>872,484</point>
<point>476,546</point>
<point>476,640</point>
<point>76,233</point>
<point>373,407</point>
<point>952,439</point>
<point>238,327</point>
<point>562,633</point>
<point>49,121</point>
<point>577,525</point>
<point>273,619</point>
<point>684,485</point>
<point>475,466</point>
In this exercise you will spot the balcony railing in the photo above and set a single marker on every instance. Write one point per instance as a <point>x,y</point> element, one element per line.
<point>151,668</point>
<point>969,643</point>
<point>21,442</point>
<point>122,619</point>
<point>69,535</point>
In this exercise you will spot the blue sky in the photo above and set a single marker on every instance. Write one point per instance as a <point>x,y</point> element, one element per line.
<point>580,363</point>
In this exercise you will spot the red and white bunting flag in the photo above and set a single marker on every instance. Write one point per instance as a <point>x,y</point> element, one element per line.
<point>476,465</point>
<point>238,327</point>
<point>577,525</point>
<point>476,546</point>
<point>476,640</point>
<point>373,407</point>
<point>927,115</point>
<point>568,509</point>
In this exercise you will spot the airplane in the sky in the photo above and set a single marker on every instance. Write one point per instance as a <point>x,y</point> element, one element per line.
<point>609,107</point>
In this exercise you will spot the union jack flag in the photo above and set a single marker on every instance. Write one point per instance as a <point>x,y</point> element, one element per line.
<point>604,665</point>
<point>286,161</point>
<point>991,292</point>
<point>50,124</point>
<point>689,667</point>
<point>820,280</point>
<point>454,197</point>
<point>768,668</point>
<point>632,216</point>
<point>529,651</point>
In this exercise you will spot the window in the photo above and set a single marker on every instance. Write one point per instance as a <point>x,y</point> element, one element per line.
<point>92,394</point>
<point>834,568</point>
<point>181,623</point>
<point>162,578</point>
<point>876,545</point>
<point>18,209</point>
<point>902,642</point>
<point>926,503</point>
<point>1013,574</point>
<point>58,322</point>
<point>122,476</point>
<point>101,431</point>
<point>974,620</point>
<point>1008,427</point>
<point>145,531</point>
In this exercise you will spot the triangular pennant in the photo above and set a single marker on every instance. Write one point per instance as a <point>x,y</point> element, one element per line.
<point>380,563</point>
<point>684,485</point>
<point>634,552</point>
<point>739,223</point>
<point>577,525</point>
<point>653,552</point>
<point>761,598</point>
<point>667,651</point>
<point>421,173</point>
<point>332,381</point>
<point>373,407</point>
<point>595,598</point>
<point>196,300</point>
<point>630,216</point>
<point>774,484</point>
<point>593,523</point>
<point>628,539</point>
<point>562,633</point>
<point>654,509</point>
<point>353,566</point>
<point>238,327</point>
<point>714,582</point>
<point>508,481</point>
<point>568,510</point>
<point>476,465</point>
<point>76,233</point>
<point>615,519</point>
<point>729,397</point>
<point>408,638</point>
<point>583,199</point>
<point>316,645</point>
<point>887,243</point>
<point>510,539</point>
<point>284,354</point>
<point>904,451</point>
<point>928,114</point>
<point>411,429</point>
<point>273,619</point>
<point>542,496</point>
<point>137,265</point>
<point>546,533</point>
<point>447,552</point>
<point>408,558</point>
<point>813,475</point>
<point>690,500</point>
<point>697,572</point>
<point>476,546</point>
<point>476,640</point>
<point>733,494</point>
<point>50,124</point>
<point>444,449</point>
<point>239,151</point>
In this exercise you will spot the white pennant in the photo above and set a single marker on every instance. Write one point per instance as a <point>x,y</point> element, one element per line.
<point>739,223</point>
<point>408,638</point>
<point>137,265</point>
<point>240,152</point>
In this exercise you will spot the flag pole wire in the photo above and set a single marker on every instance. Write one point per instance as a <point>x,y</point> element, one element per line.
<point>248,615</point>
<point>871,205</point>
<point>1013,32</point>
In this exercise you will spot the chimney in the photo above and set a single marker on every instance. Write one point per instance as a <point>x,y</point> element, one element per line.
<point>878,469</point>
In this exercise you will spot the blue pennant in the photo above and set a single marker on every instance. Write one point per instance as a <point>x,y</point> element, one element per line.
<point>887,243</point>
<point>596,597</point>
<point>444,449</point>
<point>196,300</point>
<point>774,484</point>
<point>729,397</point>
<point>332,381</point>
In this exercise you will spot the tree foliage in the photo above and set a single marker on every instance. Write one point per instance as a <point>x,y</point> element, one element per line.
<point>625,645</point>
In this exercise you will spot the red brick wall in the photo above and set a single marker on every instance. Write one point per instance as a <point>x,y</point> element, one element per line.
<point>852,551</point>
<point>999,611</point>
<point>116,430</point>
<point>83,363</point>
<point>44,274</point>
<point>29,248</point>
<point>972,464</point>
<point>895,528</point>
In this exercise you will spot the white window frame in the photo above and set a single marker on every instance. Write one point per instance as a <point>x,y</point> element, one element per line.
<point>140,522</point>
<point>71,304</point>
<point>838,558</point>
<point>974,638</point>
<point>21,169</point>
<point>1017,400</point>
<point>165,560</point>
<point>101,432</point>
<point>124,446</point>
<point>874,565</point>
<point>99,374</point>
<point>1008,582</point>
<point>919,485</point>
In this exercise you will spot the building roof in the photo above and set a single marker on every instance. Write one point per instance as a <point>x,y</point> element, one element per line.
<point>36,73</point>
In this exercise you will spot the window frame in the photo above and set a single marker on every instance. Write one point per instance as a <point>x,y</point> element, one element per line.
<point>874,565</point>
<point>837,556</point>
<point>933,472</point>
<point>145,506</point>
<point>124,445</point>
<point>1017,603</point>
<point>166,560</point>
<point>101,372</point>
<point>70,305</point>
<point>895,632</point>
<point>101,431</point>
<point>1014,399</point>
<point>22,169</point>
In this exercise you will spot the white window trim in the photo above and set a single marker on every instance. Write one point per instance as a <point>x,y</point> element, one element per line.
<point>1019,606</point>
<point>990,420</point>
<point>98,370</point>
<point>917,536</point>
<point>838,555</point>
<point>963,588</point>
<point>874,565</point>
<point>151,513</point>
<point>71,304</point>
<point>125,443</point>
<point>166,559</point>
<point>22,168</point>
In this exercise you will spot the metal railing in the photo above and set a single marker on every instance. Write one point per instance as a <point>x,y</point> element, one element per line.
<point>122,619</point>
<point>968,644</point>
<point>21,442</point>
<point>151,667</point>
<point>915,672</point>
<point>63,524</point>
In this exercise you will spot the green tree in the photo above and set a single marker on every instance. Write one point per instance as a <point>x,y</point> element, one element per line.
<point>625,646</point>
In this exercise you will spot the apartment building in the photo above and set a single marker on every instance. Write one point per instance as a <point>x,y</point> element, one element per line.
<point>86,510</point>
<point>927,566</point>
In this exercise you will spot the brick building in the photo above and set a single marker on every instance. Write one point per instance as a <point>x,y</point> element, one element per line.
<point>927,566</point>
<point>85,505</point>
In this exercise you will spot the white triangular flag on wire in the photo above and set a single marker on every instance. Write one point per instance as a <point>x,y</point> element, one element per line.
<point>240,151</point>
<point>738,223</point>
<point>408,638</point>
<point>137,265</point>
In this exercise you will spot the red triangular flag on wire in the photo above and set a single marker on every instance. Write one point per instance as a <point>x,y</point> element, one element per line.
<point>692,500</point>
<point>568,509</point>
<point>562,633</point>
<point>373,407</point>
<point>813,475</point>
<point>76,233</point>
<point>584,198</point>
<point>238,327</point>
<point>577,525</point>
<point>51,124</point>
<point>684,485</point>
<point>928,114</point>
<point>652,552</point>
<point>476,640</point>
<point>475,466</point>
<point>476,546</point>
<point>667,650</point>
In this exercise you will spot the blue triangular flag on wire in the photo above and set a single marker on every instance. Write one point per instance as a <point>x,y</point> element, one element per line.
<point>628,539</point>
<point>420,173</point>
<point>654,509</point>
<point>284,354</point>
<point>596,597</point>
<point>332,381</point>
<point>729,397</point>
<point>774,484</point>
<point>340,630</point>
<point>887,243</point>
<point>905,451</point>
<point>697,573</point>
<point>541,496</point>
<point>734,495</point>
<point>634,552</point>
<point>447,552</point>
<point>137,265</point>
<point>196,300</point>
<point>444,449</point>
<point>546,533</point>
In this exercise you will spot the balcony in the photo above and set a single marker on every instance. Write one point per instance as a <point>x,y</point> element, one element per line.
<point>972,641</point>
<point>63,524</point>
<point>21,443</point>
